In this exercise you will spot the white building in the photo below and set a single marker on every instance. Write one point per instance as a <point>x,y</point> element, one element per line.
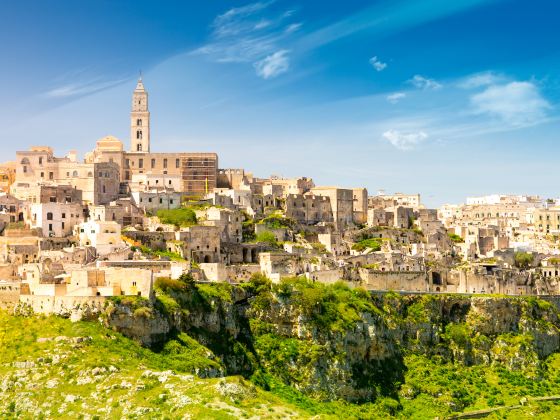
<point>105,237</point>
<point>55,219</point>
<point>154,200</point>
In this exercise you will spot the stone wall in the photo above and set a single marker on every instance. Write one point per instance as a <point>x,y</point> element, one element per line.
<point>74,306</point>
<point>412,281</point>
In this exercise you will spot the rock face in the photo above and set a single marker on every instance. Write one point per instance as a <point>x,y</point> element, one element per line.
<point>357,353</point>
<point>147,327</point>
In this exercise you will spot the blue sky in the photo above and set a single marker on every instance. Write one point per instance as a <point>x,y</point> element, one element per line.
<point>445,98</point>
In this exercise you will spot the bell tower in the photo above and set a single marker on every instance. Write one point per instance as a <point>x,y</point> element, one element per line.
<point>140,120</point>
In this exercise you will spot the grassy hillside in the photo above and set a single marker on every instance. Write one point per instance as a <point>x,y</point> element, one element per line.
<point>52,368</point>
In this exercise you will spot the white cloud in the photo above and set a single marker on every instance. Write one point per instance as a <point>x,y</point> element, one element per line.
<point>252,34</point>
<point>377,64</point>
<point>82,88</point>
<point>424,83</point>
<point>405,140</point>
<point>517,103</point>
<point>393,98</point>
<point>235,21</point>
<point>273,65</point>
<point>293,27</point>
<point>480,79</point>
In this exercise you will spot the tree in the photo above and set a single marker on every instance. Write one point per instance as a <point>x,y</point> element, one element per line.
<point>523,260</point>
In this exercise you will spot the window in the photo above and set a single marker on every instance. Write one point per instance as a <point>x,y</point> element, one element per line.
<point>153,163</point>
<point>165,163</point>
<point>149,200</point>
<point>42,174</point>
<point>104,189</point>
<point>25,169</point>
<point>139,122</point>
<point>75,174</point>
<point>51,175</point>
<point>141,163</point>
<point>49,216</point>
<point>139,134</point>
<point>40,161</point>
<point>62,225</point>
<point>177,163</point>
<point>50,227</point>
<point>161,201</point>
<point>138,147</point>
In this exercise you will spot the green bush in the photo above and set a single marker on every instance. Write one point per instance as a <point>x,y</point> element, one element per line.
<point>373,243</point>
<point>455,238</point>
<point>183,217</point>
<point>267,238</point>
<point>523,259</point>
<point>276,221</point>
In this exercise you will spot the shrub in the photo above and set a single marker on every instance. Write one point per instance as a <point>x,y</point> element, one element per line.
<point>179,217</point>
<point>523,259</point>
<point>373,243</point>
<point>455,238</point>
<point>166,284</point>
<point>267,238</point>
<point>276,221</point>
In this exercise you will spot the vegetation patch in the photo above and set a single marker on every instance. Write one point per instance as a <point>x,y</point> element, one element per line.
<point>183,217</point>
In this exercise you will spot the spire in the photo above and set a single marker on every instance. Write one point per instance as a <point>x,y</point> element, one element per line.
<point>140,85</point>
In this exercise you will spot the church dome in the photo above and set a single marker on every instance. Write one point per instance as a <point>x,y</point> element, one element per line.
<point>110,143</point>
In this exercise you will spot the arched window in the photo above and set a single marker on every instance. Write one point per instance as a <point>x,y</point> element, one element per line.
<point>49,216</point>
<point>138,147</point>
<point>25,161</point>
<point>139,134</point>
<point>75,174</point>
<point>139,122</point>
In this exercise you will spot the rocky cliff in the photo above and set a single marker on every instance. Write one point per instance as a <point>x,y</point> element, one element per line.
<point>331,342</point>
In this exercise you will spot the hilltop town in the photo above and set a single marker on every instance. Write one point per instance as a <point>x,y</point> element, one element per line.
<point>78,231</point>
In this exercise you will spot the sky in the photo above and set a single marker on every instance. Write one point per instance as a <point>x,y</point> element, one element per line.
<point>445,98</point>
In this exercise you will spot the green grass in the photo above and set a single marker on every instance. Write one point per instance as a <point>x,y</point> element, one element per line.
<point>373,243</point>
<point>430,366</point>
<point>92,371</point>
<point>183,217</point>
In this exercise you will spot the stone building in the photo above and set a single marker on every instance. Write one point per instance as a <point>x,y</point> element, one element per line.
<point>105,237</point>
<point>308,209</point>
<point>154,200</point>
<point>360,205</point>
<point>98,182</point>
<point>383,200</point>
<point>12,210</point>
<point>7,176</point>
<point>547,220</point>
<point>123,211</point>
<point>342,204</point>
<point>197,172</point>
<point>198,244</point>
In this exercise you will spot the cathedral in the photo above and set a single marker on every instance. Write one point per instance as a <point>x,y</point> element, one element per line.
<point>110,172</point>
<point>189,173</point>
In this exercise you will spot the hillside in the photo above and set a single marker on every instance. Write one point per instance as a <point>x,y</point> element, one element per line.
<point>295,349</point>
